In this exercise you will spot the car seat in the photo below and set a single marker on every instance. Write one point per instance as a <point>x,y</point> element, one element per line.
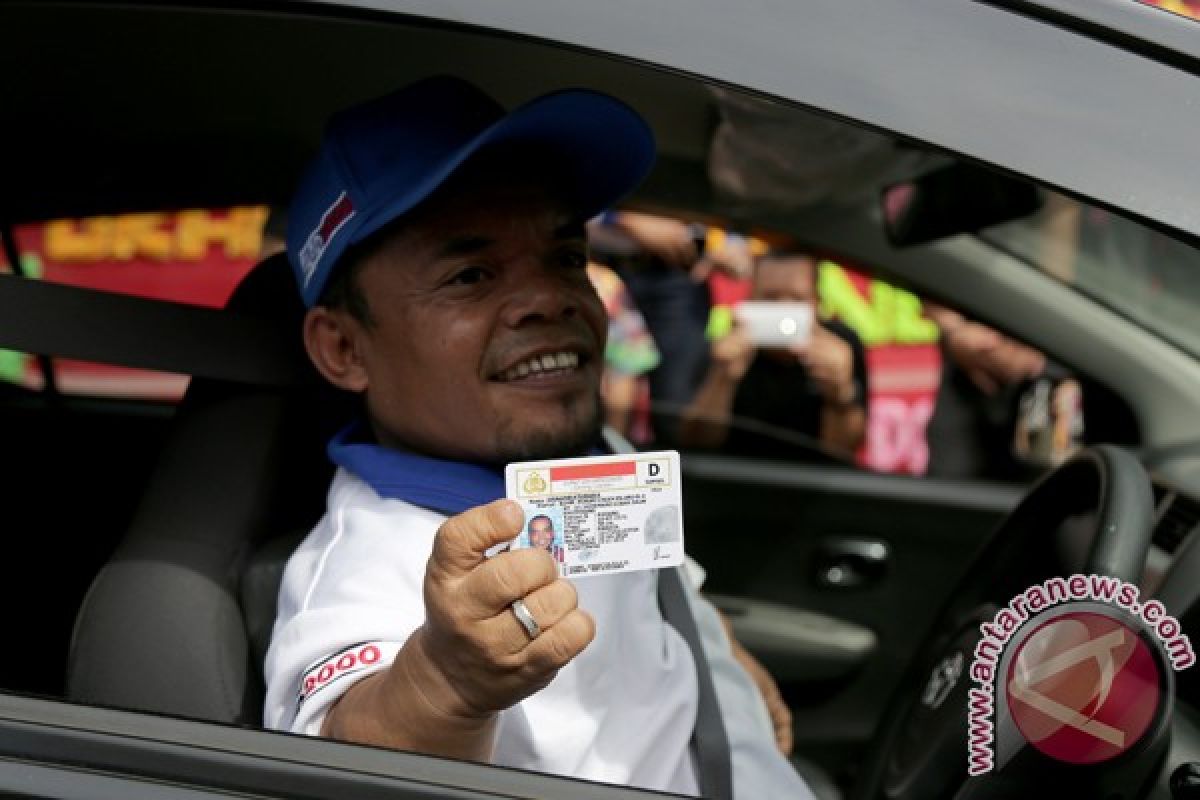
<point>177,620</point>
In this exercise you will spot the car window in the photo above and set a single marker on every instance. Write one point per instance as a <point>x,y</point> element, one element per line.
<point>16,368</point>
<point>681,315</point>
<point>194,256</point>
<point>908,385</point>
<point>941,394</point>
<point>1133,269</point>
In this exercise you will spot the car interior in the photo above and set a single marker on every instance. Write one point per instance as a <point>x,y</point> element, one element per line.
<point>150,535</point>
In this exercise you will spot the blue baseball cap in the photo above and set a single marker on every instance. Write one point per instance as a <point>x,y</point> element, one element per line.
<point>381,159</point>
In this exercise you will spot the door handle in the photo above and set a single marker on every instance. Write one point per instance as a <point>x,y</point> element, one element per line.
<point>849,563</point>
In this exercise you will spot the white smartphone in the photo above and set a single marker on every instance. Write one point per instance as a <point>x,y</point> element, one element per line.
<point>776,324</point>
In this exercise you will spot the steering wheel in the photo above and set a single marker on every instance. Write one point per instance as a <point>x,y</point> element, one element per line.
<point>920,748</point>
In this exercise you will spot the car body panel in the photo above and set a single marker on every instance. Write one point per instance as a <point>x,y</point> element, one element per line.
<point>882,63</point>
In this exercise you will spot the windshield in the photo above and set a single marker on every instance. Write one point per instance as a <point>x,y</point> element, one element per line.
<point>1138,272</point>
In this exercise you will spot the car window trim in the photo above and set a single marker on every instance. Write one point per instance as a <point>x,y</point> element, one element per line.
<point>1132,25</point>
<point>226,758</point>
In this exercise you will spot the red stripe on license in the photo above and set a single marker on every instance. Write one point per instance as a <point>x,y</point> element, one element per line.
<point>575,473</point>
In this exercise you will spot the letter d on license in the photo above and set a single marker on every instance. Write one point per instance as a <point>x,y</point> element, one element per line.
<point>653,473</point>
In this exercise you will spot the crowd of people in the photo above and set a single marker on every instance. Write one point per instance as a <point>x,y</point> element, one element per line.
<point>678,376</point>
<point>684,371</point>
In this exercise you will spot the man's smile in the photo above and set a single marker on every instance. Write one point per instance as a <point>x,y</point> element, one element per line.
<point>547,365</point>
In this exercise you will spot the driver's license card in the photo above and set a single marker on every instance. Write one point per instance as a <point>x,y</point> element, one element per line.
<point>601,514</point>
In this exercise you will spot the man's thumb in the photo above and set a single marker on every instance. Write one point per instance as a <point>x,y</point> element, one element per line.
<point>463,539</point>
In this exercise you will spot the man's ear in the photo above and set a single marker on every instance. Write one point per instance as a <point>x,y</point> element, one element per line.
<point>333,340</point>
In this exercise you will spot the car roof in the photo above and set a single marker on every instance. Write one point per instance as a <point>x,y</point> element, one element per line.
<point>144,105</point>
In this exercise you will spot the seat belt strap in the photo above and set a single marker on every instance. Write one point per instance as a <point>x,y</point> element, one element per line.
<point>710,745</point>
<point>138,332</point>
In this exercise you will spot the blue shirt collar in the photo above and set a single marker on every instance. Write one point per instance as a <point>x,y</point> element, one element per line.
<point>449,487</point>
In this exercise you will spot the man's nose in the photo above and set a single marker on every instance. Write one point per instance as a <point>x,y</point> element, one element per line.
<point>541,294</point>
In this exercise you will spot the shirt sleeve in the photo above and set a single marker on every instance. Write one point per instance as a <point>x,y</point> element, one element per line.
<point>351,596</point>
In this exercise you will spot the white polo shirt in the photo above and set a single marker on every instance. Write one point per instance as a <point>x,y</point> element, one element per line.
<point>621,712</point>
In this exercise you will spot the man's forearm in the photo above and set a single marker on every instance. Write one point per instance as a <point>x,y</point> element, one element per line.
<point>706,420</point>
<point>398,709</point>
<point>843,426</point>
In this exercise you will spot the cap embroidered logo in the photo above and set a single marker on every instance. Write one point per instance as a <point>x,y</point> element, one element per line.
<point>332,221</point>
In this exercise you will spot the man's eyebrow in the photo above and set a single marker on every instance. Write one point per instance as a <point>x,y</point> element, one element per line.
<point>464,246</point>
<point>467,244</point>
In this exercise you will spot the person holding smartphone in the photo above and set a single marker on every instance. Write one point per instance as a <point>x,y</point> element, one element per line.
<point>758,393</point>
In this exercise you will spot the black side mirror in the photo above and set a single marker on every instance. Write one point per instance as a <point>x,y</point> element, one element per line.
<point>960,198</point>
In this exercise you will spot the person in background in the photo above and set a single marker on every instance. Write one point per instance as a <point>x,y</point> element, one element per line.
<point>818,389</point>
<point>629,356</point>
<point>674,271</point>
<point>1003,410</point>
<point>655,257</point>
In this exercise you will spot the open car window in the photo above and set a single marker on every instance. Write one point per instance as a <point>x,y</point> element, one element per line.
<point>194,257</point>
<point>1139,272</point>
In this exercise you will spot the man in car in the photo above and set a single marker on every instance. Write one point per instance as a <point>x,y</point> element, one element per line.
<point>818,389</point>
<point>439,244</point>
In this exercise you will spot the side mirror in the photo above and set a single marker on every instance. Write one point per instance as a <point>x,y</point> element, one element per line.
<point>960,198</point>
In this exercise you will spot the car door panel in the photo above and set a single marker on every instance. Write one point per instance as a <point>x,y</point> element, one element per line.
<point>772,538</point>
<point>796,645</point>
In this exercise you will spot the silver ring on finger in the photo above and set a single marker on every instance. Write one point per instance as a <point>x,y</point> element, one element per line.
<point>521,612</point>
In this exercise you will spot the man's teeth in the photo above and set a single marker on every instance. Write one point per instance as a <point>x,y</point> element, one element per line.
<point>550,362</point>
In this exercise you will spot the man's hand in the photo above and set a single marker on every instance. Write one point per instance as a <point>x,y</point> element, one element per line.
<point>829,360</point>
<point>471,636</point>
<point>471,658</point>
<point>705,421</point>
<point>732,354</point>
<point>668,239</point>
<point>990,359</point>
<point>734,258</point>
<point>781,715</point>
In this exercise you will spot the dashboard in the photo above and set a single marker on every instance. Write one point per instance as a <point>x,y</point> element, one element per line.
<point>1173,563</point>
